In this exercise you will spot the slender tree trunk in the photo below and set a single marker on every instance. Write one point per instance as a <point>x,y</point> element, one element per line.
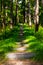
<point>6,12</point>
<point>24,11</point>
<point>0,8</point>
<point>11,15</point>
<point>3,10</point>
<point>0,13</point>
<point>25,16</point>
<point>36,17</point>
<point>2,25</point>
<point>30,22</point>
<point>0,5</point>
<point>29,14</point>
<point>17,18</point>
<point>17,12</point>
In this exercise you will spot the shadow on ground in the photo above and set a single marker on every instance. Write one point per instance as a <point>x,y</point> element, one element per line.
<point>9,40</point>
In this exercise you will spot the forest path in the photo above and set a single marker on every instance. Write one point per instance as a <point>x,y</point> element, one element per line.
<point>21,57</point>
<point>22,46</point>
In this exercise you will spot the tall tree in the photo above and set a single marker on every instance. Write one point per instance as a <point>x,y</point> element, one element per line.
<point>11,14</point>
<point>3,10</point>
<point>29,13</point>
<point>16,11</point>
<point>23,10</point>
<point>0,8</point>
<point>36,16</point>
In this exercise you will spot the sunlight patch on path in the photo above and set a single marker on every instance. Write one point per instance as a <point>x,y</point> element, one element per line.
<point>20,55</point>
<point>11,56</point>
<point>21,49</point>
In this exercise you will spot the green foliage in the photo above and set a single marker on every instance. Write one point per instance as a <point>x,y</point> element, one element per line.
<point>9,38</point>
<point>8,41</point>
<point>35,42</point>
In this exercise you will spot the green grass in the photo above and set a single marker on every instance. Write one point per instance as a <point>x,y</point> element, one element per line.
<point>35,41</point>
<point>8,41</point>
<point>10,38</point>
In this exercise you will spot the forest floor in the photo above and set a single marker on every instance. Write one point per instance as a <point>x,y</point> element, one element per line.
<point>25,42</point>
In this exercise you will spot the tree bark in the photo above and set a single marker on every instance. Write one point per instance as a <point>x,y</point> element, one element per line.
<point>36,16</point>
<point>24,11</point>
<point>29,14</point>
<point>11,14</point>
<point>17,18</point>
<point>0,8</point>
<point>42,2</point>
<point>3,10</point>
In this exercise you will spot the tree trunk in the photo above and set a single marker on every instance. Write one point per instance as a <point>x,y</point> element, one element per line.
<point>17,18</point>
<point>24,11</point>
<point>30,23</point>
<point>36,17</point>
<point>3,10</point>
<point>29,14</point>
<point>11,15</point>
<point>42,2</point>
<point>0,12</point>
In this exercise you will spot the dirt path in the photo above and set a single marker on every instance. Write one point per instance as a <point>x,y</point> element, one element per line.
<point>22,46</point>
<point>20,57</point>
<point>22,62</point>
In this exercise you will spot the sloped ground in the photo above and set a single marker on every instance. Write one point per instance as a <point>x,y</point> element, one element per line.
<point>27,42</point>
<point>22,62</point>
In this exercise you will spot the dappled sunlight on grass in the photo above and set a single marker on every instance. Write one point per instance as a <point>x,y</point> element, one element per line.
<point>34,41</point>
<point>25,41</point>
<point>8,41</point>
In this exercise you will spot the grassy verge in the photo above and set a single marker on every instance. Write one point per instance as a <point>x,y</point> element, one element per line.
<point>10,38</point>
<point>34,41</point>
<point>8,41</point>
